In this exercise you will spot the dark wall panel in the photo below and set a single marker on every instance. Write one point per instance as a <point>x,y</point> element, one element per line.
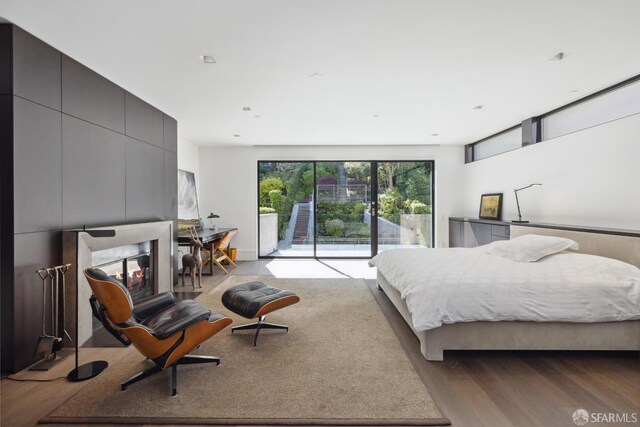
<point>145,182</point>
<point>89,96</point>
<point>37,179</point>
<point>6,229</point>
<point>36,70</point>
<point>93,177</point>
<point>170,185</point>
<point>32,251</point>
<point>6,67</point>
<point>170,134</point>
<point>144,122</point>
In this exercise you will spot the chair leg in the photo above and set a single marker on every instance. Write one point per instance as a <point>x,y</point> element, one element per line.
<point>260,324</point>
<point>174,380</point>
<point>220,265</point>
<point>189,359</point>
<point>140,376</point>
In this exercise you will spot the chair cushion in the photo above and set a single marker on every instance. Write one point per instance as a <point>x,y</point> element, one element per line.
<point>248,298</point>
<point>176,317</point>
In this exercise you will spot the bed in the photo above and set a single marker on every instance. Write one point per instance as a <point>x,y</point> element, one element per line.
<point>508,318</point>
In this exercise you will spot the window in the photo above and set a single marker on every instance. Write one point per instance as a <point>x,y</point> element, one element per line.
<point>612,105</point>
<point>500,143</point>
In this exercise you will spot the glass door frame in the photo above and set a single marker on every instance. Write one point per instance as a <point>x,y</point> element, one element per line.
<point>373,206</point>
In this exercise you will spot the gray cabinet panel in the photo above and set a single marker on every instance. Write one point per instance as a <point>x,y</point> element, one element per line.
<point>93,177</point>
<point>170,185</point>
<point>144,122</point>
<point>500,230</point>
<point>38,167</point>
<point>482,233</point>
<point>32,251</point>
<point>145,182</point>
<point>89,96</point>
<point>170,134</point>
<point>36,70</point>
<point>456,234</point>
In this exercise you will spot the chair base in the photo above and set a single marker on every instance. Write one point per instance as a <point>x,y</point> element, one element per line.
<point>260,324</point>
<point>188,359</point>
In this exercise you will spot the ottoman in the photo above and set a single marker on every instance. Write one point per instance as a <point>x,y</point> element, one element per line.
<point>255,300</point>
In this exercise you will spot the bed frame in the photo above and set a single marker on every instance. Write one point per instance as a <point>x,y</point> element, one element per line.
<point>516,335</point>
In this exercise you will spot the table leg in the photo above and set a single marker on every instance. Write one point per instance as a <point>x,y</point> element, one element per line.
<point>210,259</point>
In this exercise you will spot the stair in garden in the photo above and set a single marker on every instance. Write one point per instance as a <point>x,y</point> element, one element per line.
<point>302,225</point>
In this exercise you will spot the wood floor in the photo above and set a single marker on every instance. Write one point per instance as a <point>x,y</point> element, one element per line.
<point>471,388</point>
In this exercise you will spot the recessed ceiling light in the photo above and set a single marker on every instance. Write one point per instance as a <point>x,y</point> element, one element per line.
<point>557,57</point>
<point>574,91</point>
<point>256,117</point>
<point>246,108</point>
<point>236,136</point>
<point>207,59</point>
<point>316,75</point>
<point>375,116</point>
<point>434,134</point>
<point>478,107</point>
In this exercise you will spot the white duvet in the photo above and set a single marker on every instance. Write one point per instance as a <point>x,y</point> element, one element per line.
<point>442,286</point>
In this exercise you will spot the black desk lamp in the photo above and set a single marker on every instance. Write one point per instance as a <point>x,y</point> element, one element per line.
<point>211,217</point>
<point>520,221</point>
<point>90,369</point>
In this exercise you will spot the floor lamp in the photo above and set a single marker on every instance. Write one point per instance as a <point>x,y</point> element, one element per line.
<point>90,369</point>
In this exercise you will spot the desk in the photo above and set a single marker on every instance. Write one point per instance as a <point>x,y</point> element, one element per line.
<point>208,238</point>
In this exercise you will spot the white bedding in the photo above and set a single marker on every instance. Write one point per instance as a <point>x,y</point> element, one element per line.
<point>442,286</point>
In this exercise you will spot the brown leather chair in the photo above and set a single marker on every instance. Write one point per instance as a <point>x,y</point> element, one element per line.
<point>161,328</point>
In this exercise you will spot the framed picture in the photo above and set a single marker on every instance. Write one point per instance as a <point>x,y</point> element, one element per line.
<point>187,196</point>
<point>491,206</point>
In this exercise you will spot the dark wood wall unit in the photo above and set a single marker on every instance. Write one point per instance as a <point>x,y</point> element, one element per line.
<point>144,122</point>
<point>89,96</point>
<point>36,70</point>
<point>78,150</point>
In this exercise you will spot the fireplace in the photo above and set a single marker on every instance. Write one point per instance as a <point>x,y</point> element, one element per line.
<point>132,265</point>
<point>139,255</point>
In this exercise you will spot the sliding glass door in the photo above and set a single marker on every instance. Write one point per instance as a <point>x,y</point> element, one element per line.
<point>404,205</point>
<point>340,209</point>
<point>343,225</point>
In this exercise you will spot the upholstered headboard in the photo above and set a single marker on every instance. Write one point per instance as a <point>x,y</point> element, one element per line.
<point>621,246</point>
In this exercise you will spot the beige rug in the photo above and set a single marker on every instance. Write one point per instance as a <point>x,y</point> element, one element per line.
<point>339,364</point>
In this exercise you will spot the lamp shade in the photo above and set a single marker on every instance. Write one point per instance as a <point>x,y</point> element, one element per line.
<point>212,215</point>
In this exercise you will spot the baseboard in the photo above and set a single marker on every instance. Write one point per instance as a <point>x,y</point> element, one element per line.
<point>246,255</point>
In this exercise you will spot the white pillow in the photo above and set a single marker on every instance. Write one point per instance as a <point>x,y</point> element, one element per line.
<point>531,247</point>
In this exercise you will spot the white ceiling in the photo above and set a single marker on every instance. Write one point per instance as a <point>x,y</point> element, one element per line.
<point>421,66</point>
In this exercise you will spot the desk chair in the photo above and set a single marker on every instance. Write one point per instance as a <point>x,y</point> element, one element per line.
<point>219,249</point>
<point>161,328</point>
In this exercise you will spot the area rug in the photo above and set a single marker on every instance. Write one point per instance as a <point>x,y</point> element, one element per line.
<point>339,364</point>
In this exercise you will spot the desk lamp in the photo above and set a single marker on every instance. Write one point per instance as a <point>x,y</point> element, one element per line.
<point>519,220</point>
<point>211,217</point>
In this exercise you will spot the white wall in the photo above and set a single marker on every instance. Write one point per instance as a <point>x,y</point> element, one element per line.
<point>590,177</point>
<point>189,160</point>
<point>228,181</point>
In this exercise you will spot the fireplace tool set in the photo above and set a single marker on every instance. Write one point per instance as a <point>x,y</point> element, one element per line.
<point>49,344</point>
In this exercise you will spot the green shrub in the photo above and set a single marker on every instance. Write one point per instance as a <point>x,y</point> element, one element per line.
<point>275,198</point>
<point>334,227</point>
<point>391,204</point>
<point>266,185</point>
<point>266,210</point>
<point>417,208</point>
<point>357,229</point>
<point>359,208</point>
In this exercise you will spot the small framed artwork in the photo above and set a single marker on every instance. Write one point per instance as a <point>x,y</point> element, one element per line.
<point>491,206</point>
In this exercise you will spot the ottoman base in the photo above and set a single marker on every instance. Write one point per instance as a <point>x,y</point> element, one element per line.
<point>260,324</point>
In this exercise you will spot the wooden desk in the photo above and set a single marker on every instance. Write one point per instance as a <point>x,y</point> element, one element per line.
<point>208,238</point>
